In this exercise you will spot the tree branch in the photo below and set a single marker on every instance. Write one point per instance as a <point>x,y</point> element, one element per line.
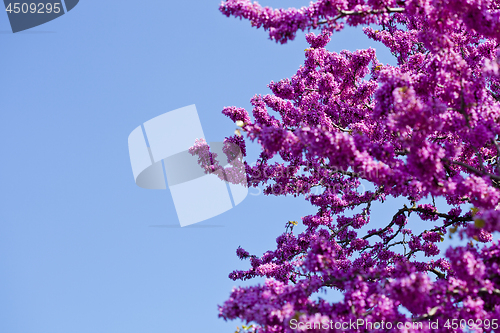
<point>472,169</point>
<point>344,13</point>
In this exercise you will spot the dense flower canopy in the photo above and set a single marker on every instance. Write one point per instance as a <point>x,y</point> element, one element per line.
<point>427,128</point>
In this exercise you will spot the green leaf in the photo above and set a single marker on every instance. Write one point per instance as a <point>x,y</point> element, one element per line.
<point>479,223</point>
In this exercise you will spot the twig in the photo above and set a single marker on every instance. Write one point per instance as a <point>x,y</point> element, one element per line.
<point>343,13</point>
<point>472,169</point>
<point>497,146</point>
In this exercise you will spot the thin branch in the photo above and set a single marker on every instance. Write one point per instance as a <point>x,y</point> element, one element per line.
<point>341,128</point>
<point>438,273</point>
<point>343,13</point>
<point>393,221</point>
<point>497,146</point>
<point>472,169</point>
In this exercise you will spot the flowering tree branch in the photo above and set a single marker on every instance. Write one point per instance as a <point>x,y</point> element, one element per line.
<point>424,129</point>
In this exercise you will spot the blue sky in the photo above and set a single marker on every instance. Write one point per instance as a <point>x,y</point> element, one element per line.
<point>80,246</point>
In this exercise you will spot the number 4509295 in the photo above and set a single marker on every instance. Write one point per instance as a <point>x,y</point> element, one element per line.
<point>40,8</point>
<point>472,324</point>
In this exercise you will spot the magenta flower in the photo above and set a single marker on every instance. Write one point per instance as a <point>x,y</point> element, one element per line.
<point>425,129</point>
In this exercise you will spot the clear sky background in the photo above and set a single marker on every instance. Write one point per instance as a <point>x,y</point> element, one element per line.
<point>82,248</point>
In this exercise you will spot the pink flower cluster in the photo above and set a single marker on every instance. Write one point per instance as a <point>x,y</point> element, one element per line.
<point>424,129</point>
